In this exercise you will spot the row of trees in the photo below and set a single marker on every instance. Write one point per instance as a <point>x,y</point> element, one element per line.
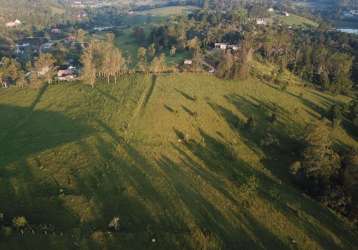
<point>36,73</point>
<point>235,64</point>
<point>326,59</point>
<point>102,59</point>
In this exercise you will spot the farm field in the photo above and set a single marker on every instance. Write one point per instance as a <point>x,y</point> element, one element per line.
<point>169,11</point>
<point>295,20</point>
<point>169,156</point>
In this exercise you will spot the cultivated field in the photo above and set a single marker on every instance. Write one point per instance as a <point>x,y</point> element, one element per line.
<point>170,156</point>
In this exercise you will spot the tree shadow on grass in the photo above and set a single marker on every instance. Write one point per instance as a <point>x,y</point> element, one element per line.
<point>107,95</point>
<point>277,156</point>
<point>41,130</point>
<point>38,199</point>
<point>28,189</point>
<point>277,159</point>
<point>121,185</point>
<point>185,95</point>
<point>212,163</point>
<point>125,185</point>
<point>215,164</point>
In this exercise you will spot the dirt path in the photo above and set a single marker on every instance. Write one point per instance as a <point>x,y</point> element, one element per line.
<point>144,99</point>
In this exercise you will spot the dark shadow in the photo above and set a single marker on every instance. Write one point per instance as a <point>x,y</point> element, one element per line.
<point>276,156</point>
<point>40,93</point>
<point>188,97</point>
<point>191,113</point>
<point>169,108</point>
<point>35,198</point>
<point>320,110</point>
<point>151,90</point>
<point>27,132</point>
<point>212,159</point>
<point>105,94</point>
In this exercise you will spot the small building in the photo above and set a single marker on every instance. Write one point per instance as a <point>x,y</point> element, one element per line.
<point>47,45</point>
<point>66,74</point>
<point>81,16</point>
<point>13,24</point>
<point>354,12</point>
<point>20,48</point>
<point>188,62</point>
<point>55,31</point>
<point>233,47</point>
<point>261,21</point>
<point>286,13</point>
<point>105,28</point>
<point>222,46</point>
<point>270,9</point>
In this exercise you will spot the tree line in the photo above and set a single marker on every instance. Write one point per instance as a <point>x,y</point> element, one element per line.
<point>324,58</point>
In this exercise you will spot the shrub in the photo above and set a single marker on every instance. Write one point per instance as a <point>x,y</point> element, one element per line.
<point>273,118</point>
<point>19,222</point>
<point>203,239</point>
<point>320,164</point>
<point>6,231</point>
<point>355,122</point>
<point>350,178</point>
<point>114,224</point>
<point>269,140</point>
<point>250,123</point>
<point>248,190</point>
<point>335,114</point>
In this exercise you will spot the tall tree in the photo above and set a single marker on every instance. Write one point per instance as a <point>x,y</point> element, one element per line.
<point>158,64</point>
<point>118,66</point>
<point>142,59</point>
<point>45,68</point>
<point>9,69</point>
<point>320,162</point>
<point>89,68</point>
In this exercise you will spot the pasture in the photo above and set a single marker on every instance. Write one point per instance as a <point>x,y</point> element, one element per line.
<point>170,156</point>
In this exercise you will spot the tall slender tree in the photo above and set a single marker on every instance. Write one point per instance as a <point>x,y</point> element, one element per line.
<point>89,68</point>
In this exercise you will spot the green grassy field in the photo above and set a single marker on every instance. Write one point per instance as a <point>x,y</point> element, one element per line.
<point>129,45</point>
<point>168,11</point>
<point>74,157</point>
<point>295,20</point>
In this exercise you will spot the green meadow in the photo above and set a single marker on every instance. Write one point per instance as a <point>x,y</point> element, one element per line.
<point>169,156</point>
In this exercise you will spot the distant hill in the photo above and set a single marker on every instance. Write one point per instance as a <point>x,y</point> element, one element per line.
<point>37,12</point>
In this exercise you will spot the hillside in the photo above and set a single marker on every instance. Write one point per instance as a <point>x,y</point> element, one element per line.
<point>169,156</point>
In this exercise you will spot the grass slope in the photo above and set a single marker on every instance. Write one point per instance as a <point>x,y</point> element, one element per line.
<point>295,20</point>
<point>169,11</point>
<point>76,157</point>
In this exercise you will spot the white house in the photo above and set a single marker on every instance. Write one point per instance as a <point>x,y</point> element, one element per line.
<point>354,12</point>
<point>261,21</point>
<point>286,13</point>
<point>66,74</point>
<point>222,46</point>
<point>271,10</point>
<point>56,31</point>
<point>188,62</point>
<point>233,47</point>
<point>21,47</point>
<point>13,24</point>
